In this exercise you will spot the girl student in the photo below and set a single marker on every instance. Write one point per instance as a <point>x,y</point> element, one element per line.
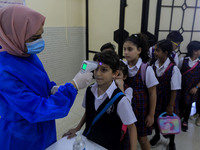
<point>176,39</point>
<point>190,70</point>
<point>169,78</point>
<point>144,89</point>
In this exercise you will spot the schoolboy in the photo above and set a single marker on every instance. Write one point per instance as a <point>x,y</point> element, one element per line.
<point>107,130</point>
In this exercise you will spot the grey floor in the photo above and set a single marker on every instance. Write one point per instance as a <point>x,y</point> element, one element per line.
<point>184,141</point>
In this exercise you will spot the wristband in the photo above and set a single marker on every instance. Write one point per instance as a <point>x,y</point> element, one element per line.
<point>197,87</point>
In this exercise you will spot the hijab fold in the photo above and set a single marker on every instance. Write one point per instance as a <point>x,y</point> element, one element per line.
<point>17,24</point>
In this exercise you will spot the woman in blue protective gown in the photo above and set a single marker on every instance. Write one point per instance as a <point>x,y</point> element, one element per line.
<point>29,101</point>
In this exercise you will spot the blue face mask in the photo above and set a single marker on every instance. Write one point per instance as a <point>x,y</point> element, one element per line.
<point>35,47</point>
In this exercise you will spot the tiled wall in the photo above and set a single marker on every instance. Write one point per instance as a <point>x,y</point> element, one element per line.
<point>63,55</point>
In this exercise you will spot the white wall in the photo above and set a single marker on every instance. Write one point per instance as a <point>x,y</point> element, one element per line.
<point>104,20</point>
<point>53,10</point>
<point>65,30</point>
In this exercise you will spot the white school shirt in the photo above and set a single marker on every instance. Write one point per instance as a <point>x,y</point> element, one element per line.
<point>129,94</point>
<point>176,59</point>
<point>150,78</point>
<point>176,74</point>
<point>190,62</point>
<point>124,108</point>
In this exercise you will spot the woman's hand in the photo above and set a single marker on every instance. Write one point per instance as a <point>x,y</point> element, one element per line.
<point>81,80</point>
<point>54,89</point>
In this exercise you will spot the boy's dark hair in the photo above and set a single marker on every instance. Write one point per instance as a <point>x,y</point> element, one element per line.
<point>141,41</point>
<point>165,46</point>
<point>123,67</point>
<point>192,46</point>
<point>107,46</point>
<point>109,58</point>
<point>175,36</point>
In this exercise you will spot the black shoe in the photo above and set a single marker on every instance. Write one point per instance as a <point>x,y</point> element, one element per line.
<point>184,126</point>
<point>154,140</point>
<point>171,146</point>
<point>166,136</point>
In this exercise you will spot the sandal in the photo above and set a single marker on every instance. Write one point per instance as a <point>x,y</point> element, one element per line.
<point>198,121</point>
<point>194,117</point>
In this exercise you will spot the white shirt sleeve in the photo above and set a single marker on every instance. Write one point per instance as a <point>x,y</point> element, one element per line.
<point>125,112</point>
<point>180,62</point>
<point>176,79</point>
<point>176,60</point>
<point>150,78</point>
<point>129,94</point>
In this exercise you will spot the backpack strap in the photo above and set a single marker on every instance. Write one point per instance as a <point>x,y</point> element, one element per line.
<point>191,68</point>
<point>104,110</point>
<point>169,66</point>
<point>143,71</point>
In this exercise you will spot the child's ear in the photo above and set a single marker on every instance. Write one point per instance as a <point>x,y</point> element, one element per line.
<point>140,49</point>
<point>115,74</point>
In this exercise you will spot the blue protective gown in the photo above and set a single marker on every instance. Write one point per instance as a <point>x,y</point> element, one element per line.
<point>27,110</point>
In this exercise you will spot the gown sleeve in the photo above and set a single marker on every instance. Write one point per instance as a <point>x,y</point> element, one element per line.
<point>32,107</point>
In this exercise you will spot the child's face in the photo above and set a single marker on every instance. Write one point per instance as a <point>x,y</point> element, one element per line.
<point>131,52</point>
<point>159,54</point>
<point>121,75</point>
<point>104,74</point>
<point>196,53</point>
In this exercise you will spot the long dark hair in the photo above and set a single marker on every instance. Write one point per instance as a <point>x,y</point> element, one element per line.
<point>141,41</point>
<point>165,46</point>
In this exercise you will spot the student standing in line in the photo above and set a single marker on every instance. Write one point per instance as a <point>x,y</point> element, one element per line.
<point>176,38</point>
<point>196,116</point>
<point>106,131</point>
<point>190,69</point>
<point>169,78</point>
<point>143,81</point>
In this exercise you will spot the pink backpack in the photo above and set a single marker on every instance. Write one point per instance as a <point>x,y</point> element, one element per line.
<point>143,75</point>
<point>143,71</point>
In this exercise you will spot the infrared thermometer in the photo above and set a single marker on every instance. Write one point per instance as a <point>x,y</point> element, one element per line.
<point>88,66</point>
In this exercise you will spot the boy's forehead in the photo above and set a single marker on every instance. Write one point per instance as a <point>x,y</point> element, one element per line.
<point>102,64</point>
